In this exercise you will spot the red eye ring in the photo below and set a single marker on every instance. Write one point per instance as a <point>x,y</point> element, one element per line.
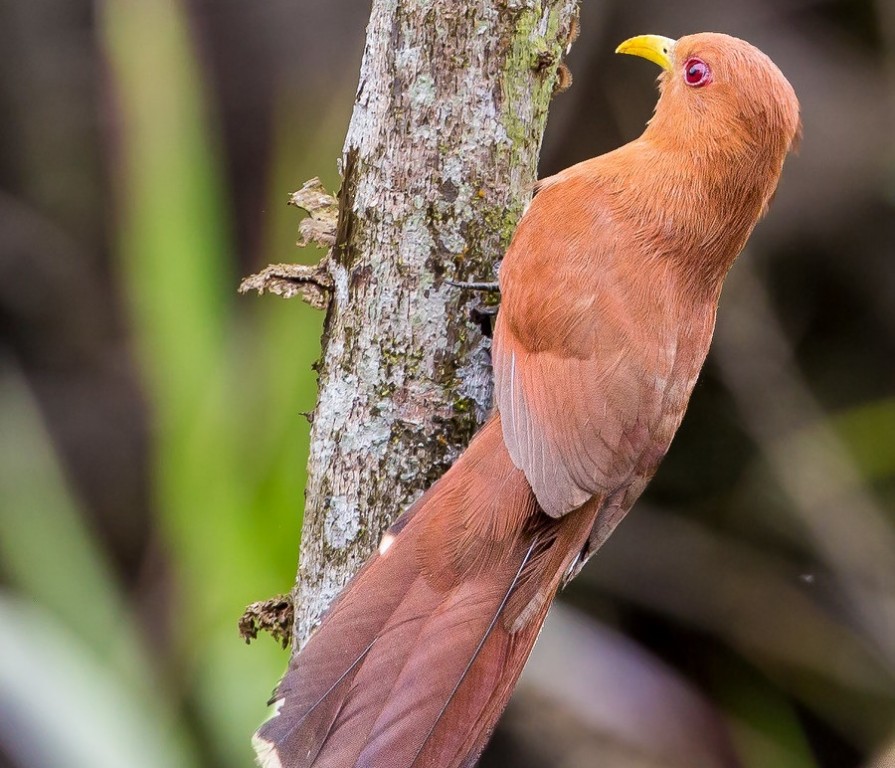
<point>696,73</point>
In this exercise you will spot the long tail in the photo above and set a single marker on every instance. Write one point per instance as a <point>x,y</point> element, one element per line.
<point>416,660</point>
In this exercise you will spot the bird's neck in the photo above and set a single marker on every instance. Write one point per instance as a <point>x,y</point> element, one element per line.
<point>706,198</point>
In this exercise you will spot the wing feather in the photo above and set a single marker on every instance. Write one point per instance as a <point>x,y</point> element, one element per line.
<point>579,400</point>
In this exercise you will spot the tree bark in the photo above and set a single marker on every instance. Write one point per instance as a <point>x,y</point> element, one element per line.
<point>439,162</point>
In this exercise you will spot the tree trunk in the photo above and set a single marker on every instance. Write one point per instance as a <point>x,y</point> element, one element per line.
<point>439,162</point>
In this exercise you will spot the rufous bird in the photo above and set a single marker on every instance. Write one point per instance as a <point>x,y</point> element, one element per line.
<point>610,288</point>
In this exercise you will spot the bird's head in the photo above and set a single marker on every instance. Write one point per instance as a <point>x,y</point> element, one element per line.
<point>718,93</point>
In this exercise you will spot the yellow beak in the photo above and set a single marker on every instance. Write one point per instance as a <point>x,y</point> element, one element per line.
<point>658,49</point>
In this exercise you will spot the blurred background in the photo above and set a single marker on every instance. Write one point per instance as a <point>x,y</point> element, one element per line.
<point>152,443</point>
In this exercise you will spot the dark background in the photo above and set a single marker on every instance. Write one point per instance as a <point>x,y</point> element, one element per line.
<point>152,447</point>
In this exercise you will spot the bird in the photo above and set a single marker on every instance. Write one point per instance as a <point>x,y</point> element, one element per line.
<point>609,294</point>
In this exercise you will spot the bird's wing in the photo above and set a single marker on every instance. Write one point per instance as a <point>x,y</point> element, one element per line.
<point>583,354</point>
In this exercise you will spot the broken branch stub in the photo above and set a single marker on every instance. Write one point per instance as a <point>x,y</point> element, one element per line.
<point>319,228</point>
<point>312,283</point>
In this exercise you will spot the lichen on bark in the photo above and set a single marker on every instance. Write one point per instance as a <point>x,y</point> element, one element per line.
<point>438,164</point>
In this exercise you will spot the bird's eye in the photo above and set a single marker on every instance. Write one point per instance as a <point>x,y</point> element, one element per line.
<point>697,72</point>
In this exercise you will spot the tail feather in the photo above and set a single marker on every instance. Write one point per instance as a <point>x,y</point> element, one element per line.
<point>519,647</point>
<point>355,623</point>
<point>414,663</point>
<point>379,673</point>
<point>448,667</point>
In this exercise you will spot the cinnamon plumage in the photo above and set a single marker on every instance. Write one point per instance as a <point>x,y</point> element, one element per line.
<point>609,295</point>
